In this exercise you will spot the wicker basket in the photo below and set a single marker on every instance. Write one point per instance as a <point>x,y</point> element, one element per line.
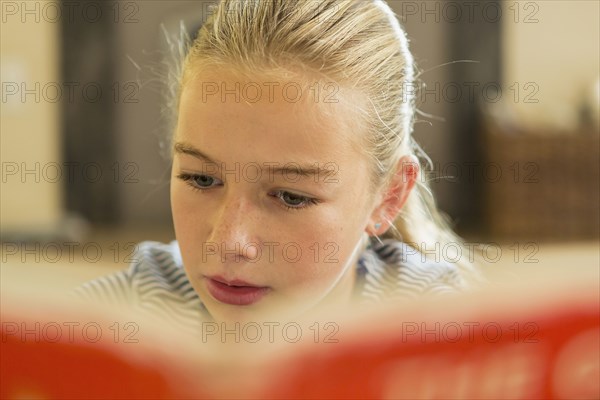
<point>548,188</point>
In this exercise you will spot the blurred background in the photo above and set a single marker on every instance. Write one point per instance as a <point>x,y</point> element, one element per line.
<point>510,92</point>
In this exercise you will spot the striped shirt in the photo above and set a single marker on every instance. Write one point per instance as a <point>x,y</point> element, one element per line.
<point>156,283</point>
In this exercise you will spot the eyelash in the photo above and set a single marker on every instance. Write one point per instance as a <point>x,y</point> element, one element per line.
<point>189,179</point>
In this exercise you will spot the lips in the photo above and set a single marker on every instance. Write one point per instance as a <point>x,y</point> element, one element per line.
<point>234,292</point>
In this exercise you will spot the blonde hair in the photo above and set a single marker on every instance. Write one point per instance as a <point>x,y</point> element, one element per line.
<point>358,43</point>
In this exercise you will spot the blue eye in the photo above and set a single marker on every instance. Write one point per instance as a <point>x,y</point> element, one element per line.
<point>198,181</point>
<point>290,201</point>
<point>295,201</point>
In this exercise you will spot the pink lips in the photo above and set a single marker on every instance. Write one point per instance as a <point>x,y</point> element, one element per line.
<point>235,292</point>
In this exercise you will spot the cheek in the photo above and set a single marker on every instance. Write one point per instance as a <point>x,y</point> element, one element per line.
<point>325,248</point>
<point>327,240</point>
<point>181,207</point>
<point>189,218</point>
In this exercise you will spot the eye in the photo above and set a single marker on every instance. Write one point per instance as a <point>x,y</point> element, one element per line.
<point>294,201</point>
<point>199,181</point>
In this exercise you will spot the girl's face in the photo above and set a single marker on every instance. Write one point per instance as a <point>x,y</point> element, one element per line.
<point>270,198</point>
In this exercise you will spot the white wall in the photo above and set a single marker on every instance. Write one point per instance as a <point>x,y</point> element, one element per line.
<point>30,129</point>
<point>559,53</point>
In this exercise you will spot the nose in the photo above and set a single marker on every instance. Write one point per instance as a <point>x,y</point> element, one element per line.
<point>233,229</point>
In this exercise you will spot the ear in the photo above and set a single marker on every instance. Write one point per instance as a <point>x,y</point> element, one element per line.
<point>394,196</point>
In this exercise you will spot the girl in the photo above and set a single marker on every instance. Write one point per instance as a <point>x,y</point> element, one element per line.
<point>295,181</point>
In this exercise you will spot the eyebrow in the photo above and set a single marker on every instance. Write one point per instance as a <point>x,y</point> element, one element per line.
<point>305,171</point>
<point>186,148</point>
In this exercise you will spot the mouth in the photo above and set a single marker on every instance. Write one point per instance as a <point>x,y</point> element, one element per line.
<point>234,292</point>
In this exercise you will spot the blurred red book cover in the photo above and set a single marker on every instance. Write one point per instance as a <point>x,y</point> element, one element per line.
<point>519,342</point>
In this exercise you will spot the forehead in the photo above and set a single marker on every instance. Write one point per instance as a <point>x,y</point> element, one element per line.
<point>269,119</point>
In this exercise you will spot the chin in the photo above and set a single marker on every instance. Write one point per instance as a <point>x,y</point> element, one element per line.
<point>244,314</point>
<point>231,314</point>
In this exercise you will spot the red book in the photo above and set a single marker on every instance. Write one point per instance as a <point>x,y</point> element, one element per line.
<point>535,340</point>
